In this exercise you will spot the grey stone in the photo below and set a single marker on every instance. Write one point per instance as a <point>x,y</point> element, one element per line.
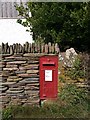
<point>6,55</point>
<point>15,101</point>
<point>33,101</point>
<point>19,91</point>
<point>3,89</point>
<point>14,85</point>
<point>2,94</point>
<point>12,94</point>
<point>22,97</point>
<point>28,82</point>
<point>29,67</point>
<point>10,66</point>
<point>10,69</point>
<point>31,79</point>
<point>28,75</point>
<point>31,88</point>
<point>20,71</point>
<point>2,63</point>
<point>4,99</point>
<point>13,77</point>
<point>16,89</point>
<point>31,84</point>
<point>8,83</point>
<point>70,57</point>
<point>31,92</point>
<point>33,62</point>
<point>70,53</point>
<point>4,75</point>
<point>16,62</point>
<point>1,66</point>
<point>33,71</point>
<point>1,86</point>
<point>24,101</point>
<point>6,60</point>
<point>10,57</point>
<point>18,54</point>
<point>21,84</point>
<point>22,68</point>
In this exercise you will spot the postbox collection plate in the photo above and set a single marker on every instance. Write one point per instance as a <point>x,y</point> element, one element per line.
<point>48,75</point>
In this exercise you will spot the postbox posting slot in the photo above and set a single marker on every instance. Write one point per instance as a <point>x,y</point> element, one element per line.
<point>48,64</point>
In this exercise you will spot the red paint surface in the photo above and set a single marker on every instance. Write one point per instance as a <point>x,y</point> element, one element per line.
<point>48,89</point>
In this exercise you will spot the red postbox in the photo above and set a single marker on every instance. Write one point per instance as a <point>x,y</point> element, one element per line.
<point>48,76</point>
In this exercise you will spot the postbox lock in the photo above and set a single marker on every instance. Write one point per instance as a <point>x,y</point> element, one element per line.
<point>48,59</point>
<point>44,95</point>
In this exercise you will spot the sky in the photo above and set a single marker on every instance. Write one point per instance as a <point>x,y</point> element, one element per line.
<point>13,32</point>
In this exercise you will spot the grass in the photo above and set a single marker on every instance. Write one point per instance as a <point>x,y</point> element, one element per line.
<point>71,103</point>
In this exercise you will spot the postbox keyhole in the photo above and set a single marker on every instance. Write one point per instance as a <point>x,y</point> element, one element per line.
<point>48,59</point>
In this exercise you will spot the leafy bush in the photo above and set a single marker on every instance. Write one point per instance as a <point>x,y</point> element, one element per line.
<point>71,94</point>
<point>77,70</point>
<point>7,114</point>
<point>62,79</point>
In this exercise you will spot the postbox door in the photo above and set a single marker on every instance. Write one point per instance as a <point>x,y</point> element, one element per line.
<point>49,88</point>
<point>48,77</point>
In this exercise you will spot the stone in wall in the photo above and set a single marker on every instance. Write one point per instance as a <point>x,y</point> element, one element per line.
<point>70,57</point>
<point>70,53</point>
<point>15,102</point>
<point>11,66</point>
<point>14,79</point>
<point>26,75</point>
<point>28,81</point>
<point>3,79</point>
<point>14,91</point>
<point>33,71</point>
<point>16,62</point>
<point>8,83</point>
<point>20,71</point>
<point>10,69</point>
<point>3,88</point>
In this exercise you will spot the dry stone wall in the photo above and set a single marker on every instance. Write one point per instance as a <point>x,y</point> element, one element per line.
<point>19,78</point>
<point>19,72</point>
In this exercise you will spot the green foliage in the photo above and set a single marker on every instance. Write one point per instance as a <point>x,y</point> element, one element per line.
<point>77,70</point>
<point>76,101</point>
<point>72,102</point>
<point>62,79</point>
<point>7,114</point>
<point>65,23</point>
<point>73,95</point>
